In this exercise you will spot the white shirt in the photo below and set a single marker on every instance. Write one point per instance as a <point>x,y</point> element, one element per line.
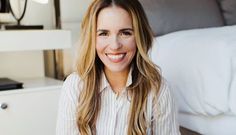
<point>113,116</point>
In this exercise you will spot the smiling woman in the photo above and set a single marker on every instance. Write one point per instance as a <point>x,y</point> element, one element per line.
<point>116,89</point>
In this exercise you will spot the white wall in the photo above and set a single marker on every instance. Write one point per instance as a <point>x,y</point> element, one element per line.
<point>22,64</point>
<point>72,12</point>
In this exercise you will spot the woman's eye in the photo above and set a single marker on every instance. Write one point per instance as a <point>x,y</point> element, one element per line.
<point>103,34</point>
<point>126,33</point>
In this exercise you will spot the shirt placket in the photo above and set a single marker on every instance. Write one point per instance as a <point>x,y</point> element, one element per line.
<point>118,104</point>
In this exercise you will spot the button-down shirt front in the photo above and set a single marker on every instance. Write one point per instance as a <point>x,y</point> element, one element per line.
<point>113,117</point>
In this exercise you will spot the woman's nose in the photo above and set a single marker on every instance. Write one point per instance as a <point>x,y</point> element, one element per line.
<point>115,43</point>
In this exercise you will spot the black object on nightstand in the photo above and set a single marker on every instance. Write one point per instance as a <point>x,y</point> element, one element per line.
<point>9,84</point>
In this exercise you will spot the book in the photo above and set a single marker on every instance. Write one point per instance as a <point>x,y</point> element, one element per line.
<point>9,84</point>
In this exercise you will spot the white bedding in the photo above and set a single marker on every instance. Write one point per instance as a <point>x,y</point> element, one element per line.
<point>217,125</point>
<point>200,66</point>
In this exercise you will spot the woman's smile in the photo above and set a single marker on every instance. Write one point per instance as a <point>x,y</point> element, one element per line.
<point>116,57</point>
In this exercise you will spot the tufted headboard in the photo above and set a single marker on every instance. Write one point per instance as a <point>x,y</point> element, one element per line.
<point>167,16</point>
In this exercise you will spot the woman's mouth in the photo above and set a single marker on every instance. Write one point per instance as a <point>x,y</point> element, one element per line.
<point>115,57</point>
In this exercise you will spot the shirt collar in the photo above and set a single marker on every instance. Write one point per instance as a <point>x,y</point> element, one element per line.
<point>105,83</point>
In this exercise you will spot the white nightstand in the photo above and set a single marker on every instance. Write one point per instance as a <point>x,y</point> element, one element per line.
<point>33,109</point>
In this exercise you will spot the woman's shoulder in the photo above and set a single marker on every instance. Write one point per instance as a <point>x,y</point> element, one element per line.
<point>164,93</point>
<point>165,87</point>
<point>72,78</point>
<point>164,100</point>
<point>72,86</point>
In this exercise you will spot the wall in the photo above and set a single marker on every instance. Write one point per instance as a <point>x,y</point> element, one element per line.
<point>21,64</point>
<point>72,12</point>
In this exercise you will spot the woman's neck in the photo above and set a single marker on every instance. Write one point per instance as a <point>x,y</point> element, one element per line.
<point>117,80</point>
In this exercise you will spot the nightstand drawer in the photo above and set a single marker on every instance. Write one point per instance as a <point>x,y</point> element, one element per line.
<point>30,113</point>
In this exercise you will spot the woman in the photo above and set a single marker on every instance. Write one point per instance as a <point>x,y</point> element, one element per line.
<point>116,90</point>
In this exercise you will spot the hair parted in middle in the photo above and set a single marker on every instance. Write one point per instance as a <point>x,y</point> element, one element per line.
<point>146,77</point>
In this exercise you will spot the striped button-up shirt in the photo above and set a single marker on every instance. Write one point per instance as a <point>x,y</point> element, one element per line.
<point>113,116</point>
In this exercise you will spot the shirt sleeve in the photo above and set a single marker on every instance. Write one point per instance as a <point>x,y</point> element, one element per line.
<point>66,120</point>
<point>164,112</point>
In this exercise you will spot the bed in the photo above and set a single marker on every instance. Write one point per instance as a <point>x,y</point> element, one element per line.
<point>195,47</point>
<point>200,66</point>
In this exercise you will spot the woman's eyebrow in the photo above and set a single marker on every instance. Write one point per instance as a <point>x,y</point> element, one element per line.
<point>127,29</point>
<point>102,30</point>
<point>124,29</point>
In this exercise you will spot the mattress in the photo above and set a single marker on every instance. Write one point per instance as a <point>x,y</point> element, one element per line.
<point>217,125</point>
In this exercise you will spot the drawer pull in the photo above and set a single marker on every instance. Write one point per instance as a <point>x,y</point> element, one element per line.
<point>4,106</point>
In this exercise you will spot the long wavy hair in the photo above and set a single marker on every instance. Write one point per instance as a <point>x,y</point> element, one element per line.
<point>145,74</point>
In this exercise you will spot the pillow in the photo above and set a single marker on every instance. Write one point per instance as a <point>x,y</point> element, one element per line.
<point>229,11</point>
<point>200,67</point>
<point>167,16</point>
<point>232,98</point>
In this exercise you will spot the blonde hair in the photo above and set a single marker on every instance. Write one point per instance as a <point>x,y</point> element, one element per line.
<point>145,76</point>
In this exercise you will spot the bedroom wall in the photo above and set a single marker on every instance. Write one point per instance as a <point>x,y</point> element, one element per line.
<point>30,64</point>
<point>72,12</point>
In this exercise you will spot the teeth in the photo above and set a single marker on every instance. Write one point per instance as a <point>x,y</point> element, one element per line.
<point>115,57</point>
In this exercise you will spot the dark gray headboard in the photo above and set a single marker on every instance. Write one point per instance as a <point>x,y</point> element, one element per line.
<point>228,8</point>
<point>167,16</point>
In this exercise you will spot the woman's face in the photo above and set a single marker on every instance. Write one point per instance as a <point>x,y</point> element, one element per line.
<point>115,41</point>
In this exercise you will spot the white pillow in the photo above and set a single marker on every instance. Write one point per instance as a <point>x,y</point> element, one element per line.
<point>200,67</point>
<point>232,95</point>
